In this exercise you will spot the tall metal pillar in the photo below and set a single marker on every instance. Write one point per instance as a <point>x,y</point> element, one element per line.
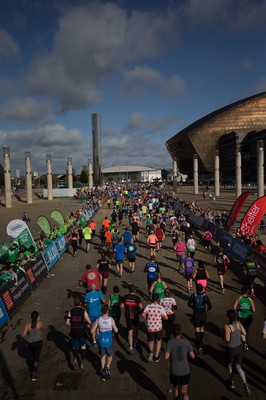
<point>174,176</point>
<point>28,176</point>
<point>49,177</point>
<point>7,177</point>
<point>196,174</point>
<point>238,171</point>
<point>217,174</point>
<point>69,173</point>
<point>260,168</point>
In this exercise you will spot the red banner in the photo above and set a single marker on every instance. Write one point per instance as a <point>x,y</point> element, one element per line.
<point>235,210</point>
<point>253,216</point>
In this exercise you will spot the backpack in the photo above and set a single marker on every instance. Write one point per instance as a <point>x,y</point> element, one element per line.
<point>198,301</point>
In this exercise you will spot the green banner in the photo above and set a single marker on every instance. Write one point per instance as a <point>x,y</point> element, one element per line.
<point>44,224</point>
<point>58,217</point>
<point>3,250</point>
<point>82,221</point>
<point>25,239</point>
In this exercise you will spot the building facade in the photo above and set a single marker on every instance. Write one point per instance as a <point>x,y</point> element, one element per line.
<point>245,119</point>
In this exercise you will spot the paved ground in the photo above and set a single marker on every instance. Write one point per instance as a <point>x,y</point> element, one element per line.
<point>132,376</point>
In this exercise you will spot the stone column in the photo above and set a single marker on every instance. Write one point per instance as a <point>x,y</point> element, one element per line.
<point>196,174</point>
<point>260,170</point>
<point>69,173</point>
<point>174,176</point>
<point>49,177</point>
<point>238,171</point>
<point>28,176</point>
<point>7,177</point>
<point>90,173</point>
<point>217,174</point>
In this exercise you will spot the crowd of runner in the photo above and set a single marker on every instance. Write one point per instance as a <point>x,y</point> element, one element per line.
<point>143,214</point>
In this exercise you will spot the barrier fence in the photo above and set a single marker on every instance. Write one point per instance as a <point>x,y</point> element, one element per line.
<point>12,296</point>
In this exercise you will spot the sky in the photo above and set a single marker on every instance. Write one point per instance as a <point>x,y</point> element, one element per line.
<point>149,67</point>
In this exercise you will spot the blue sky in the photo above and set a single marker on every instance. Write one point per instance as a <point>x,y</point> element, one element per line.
<point>149,67</point>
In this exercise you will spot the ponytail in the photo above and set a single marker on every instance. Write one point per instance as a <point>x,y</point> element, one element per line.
<point>34,318</point>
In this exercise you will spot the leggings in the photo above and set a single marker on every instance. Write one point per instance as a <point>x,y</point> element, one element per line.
<point>35,349</point>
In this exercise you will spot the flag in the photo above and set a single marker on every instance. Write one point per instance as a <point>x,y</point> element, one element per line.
<point>235,210</point>
<point>19,230</point>
<point>44,224</point>
<point>58,217</point>
<point>253,216</point>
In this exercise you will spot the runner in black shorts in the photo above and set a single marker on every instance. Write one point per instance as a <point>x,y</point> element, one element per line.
<point>133,307</point>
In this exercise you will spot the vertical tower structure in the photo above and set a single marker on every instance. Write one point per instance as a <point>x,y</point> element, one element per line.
<point>96,148</point>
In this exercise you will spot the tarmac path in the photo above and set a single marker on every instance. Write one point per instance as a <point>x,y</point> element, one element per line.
<point>132,376</point>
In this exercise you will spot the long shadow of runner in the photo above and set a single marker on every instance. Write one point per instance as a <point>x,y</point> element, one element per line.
<point>137,372</point>
<point>9,386</point>
<point>22,348</point>
<point>61,341</point>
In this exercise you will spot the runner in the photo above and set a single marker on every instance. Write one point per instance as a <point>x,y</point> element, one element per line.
<point>115,305</point>
<point>191,246</point>
<point>76,320</point>
<point>154,313</point>
<point>221,261</point>
<point>169,304</point>
<point>104,266</point>
<point>180,249</point>
<point>106,326</point>
<point>234,335</point>
<point>74,241</point>
<point>188,265</point>
<point>200,304</point>
<point>131,255</point>
<point>133,308</point>
<point>245,307</point>
<point>177,351</point>
<point>252,271</point>
<point>87,232</point>
<point>120,252</point>
<point>151,268</point>
<point>207,237</point>
<point>201,275</point>
<point>92,225</point>
<point>127,236</point>
<point>91,276</point>
<point>158,286</point>
<point>152,240</point>
<point>160,237</point>
<point>94,300</point>
<point>33,334</point>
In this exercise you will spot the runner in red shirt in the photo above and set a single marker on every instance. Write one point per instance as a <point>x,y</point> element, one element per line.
<point>91,276</point>
<point>160,237</point>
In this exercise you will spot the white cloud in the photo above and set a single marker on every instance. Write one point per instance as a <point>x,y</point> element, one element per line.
<point>54,139</point>
<point>140,78</point>
<point>8,45</point>
<point>238,15</point>
<point>94,42</point>
<point>26,110</point>
<point>174,86</point>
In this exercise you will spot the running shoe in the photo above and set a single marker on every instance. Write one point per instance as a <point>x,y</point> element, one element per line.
<point>247,390</point>
<point>131,351</point>
<point>156,359</point>
<point>150,358</point>
<point>82,366</point>
<point>222,290</point>
<point>245,347</point>
<point>75,365</point>
<point>107,372</point>
<point>200,349</point>
<point>94,344</point>
<point>232,384</point>
<point>34,377</point>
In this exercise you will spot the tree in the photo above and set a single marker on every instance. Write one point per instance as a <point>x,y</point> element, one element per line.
<point>83,178</point>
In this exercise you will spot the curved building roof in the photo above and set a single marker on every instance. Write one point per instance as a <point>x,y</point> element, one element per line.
<point>126,168</point>
<point>202,137</point>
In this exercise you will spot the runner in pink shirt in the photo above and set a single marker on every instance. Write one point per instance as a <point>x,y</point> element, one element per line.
<point>180,250</point>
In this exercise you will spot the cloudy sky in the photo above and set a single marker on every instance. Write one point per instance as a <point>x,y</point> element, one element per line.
<point>149,67</point>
